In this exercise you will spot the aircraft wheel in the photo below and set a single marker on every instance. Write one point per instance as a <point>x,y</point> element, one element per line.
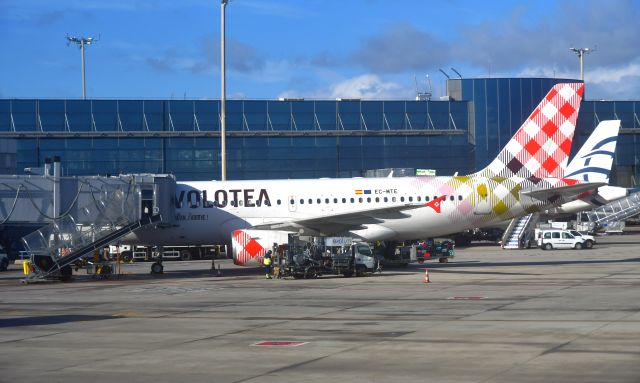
<point>157,268</point>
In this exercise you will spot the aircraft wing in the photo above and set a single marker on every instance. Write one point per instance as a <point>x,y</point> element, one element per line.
<point>562,192</point>
<point>330,224</point>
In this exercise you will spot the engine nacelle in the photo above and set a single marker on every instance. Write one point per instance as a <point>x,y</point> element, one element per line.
<point>250,246</point>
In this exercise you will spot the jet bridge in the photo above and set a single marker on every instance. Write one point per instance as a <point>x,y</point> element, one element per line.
<point>65,218</point>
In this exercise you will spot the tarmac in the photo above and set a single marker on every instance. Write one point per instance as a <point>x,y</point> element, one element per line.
<point>490,315</point>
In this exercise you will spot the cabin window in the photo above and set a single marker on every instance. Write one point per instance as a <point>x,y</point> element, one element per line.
<point>452,198</point>
<point>386,199</point>
<point>279,202</point>
<point>401,199</point>
<point>426,198</point>
<point>377,199</point>
<point>293,202</point>
<point>393,199</point>
<point>410,199</point>
<point>419,198</point>
<point>258,203</point>
<point>360,199</point>
<point>326,200</point>
<point>344,200</point>
<point>353,200</point>
<point>459,198</point>
<point>335,200</point>
<point>310,201</point>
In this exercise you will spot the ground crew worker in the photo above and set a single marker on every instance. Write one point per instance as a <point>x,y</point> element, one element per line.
<point>267,264</point>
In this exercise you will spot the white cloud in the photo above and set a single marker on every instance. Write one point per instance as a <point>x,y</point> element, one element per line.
<point>612,82</point>
<point>366,86</point>
<point>605,75</point>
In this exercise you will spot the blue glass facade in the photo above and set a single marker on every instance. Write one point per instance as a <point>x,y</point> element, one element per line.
<point>265,139</point>
<point>297,138</point>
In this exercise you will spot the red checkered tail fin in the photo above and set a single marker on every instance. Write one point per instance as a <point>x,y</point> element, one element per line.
<point>541,147</point>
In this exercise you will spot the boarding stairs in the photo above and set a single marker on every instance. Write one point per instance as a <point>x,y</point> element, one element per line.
<point>520,231</point>
<point>114,211</point>
<point>618,210</point>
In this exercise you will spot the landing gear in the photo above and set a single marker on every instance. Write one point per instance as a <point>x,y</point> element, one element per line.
<point>157,267</point>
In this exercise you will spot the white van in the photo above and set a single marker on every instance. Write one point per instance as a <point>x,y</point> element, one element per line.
<point>559,239</point>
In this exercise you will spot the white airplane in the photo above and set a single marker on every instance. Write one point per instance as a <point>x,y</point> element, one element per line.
<point>526,176</point>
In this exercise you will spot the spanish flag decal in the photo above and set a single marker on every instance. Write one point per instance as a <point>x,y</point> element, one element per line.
<point>359,191</point>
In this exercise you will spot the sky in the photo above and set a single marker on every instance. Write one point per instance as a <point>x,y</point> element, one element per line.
<point>312,49</point>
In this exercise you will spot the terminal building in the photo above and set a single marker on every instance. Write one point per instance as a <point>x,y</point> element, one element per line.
<point>294,138</point>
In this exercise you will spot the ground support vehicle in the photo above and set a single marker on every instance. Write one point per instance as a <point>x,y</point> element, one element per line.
<point>559,239</point>
<point>440,250</point>
<point>305,259</point>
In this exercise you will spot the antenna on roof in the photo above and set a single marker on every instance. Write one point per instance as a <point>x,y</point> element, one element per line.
<point>458,73</point>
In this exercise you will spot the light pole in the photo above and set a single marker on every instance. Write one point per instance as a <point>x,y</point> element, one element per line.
<point>223,91</point>
<point>581,52</point>
<point>81,41</point>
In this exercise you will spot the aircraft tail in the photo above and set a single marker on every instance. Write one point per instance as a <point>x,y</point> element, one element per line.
<point>541,147</point>
<point>593,161</point>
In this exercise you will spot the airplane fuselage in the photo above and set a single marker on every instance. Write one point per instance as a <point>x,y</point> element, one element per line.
<point>207,212</point>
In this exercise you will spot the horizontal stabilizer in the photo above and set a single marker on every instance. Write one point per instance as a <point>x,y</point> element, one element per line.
<point>563,192</point>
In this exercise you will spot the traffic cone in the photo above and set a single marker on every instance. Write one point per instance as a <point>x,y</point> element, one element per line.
<point>426,276</point>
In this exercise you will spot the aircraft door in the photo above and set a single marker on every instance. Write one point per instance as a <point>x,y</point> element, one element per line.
<point>483,199</point>
<point>146,203</point>
<point>292,203</point>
